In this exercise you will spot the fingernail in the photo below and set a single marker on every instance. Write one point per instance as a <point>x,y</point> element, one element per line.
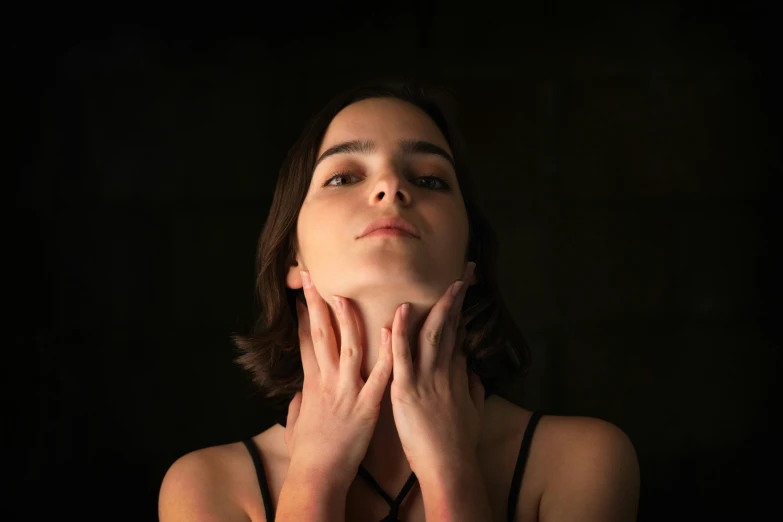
<point>305,279</point>
<point>338,302</point>
<point>404,311</point>
<point>384,335</point>
<point>455,287</point>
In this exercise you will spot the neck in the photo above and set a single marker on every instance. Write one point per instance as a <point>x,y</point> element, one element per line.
<point>385,458</point>
<point>375,307</point>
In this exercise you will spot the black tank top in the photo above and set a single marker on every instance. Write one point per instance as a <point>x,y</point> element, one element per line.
<point>513,495</point>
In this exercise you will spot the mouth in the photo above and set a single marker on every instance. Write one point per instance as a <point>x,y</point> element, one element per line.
<point>395,223</point>
<point>389,232</point>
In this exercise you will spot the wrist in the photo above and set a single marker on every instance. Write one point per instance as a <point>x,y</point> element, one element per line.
<point>437,469</point>
<point>456,493</point>
<point>317,481</point>
<point>307,496</point>
<point>303,499</point>
<point>448,472</point>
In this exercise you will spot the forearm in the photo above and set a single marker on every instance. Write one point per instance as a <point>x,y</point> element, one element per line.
<point>305,500</point>
<point>456,494</point>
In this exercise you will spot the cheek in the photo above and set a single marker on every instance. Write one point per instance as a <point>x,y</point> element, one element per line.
<point>322,231</point>
<point>453,229</point>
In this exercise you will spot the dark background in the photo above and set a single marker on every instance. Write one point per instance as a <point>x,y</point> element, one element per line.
<point>628,158</point>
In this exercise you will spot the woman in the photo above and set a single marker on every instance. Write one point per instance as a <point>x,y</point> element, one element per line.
<point>393,411</point>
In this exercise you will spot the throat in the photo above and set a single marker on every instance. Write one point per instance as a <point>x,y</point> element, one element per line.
<point>385,459</point>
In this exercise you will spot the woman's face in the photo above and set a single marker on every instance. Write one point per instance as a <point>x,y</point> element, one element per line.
<point>349,190</point>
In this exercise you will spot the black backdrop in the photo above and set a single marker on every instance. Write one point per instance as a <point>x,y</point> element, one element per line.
<point>627,159</point>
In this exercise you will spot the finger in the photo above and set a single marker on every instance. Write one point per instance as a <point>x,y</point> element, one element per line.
<point>431,333</point>
<point>435,326</point>
<point>350,344</point>
<point>459,361</point>
<point>309,362</point>
<point>373,390</point>
<point>321,332</point>
<point>401,351</point>
<point>450,342</point>
<point>462,334</point>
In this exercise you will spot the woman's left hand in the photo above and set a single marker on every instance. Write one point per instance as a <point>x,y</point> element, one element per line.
<point>438,405</point>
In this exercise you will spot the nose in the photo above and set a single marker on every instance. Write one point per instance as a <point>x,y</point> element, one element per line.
<point>390,187</point>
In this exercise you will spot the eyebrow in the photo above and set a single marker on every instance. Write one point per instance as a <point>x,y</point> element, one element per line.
<point>406,147</point>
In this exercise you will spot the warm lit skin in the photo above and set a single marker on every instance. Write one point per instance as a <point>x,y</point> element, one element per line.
<point>378,274</point>
<point>588,468</point>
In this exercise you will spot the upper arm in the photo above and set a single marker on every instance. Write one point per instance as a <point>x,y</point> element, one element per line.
<point>597,478</point>
<point>194,490</point>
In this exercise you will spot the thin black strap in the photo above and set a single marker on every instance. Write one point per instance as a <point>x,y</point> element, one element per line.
<point>395,504</point>
<point>516,481</point>
<point>254,453</point>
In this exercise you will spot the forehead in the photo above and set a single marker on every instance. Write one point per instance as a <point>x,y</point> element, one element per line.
<point>384,121</point>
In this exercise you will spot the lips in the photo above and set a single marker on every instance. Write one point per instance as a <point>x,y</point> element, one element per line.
<point>390,222</point>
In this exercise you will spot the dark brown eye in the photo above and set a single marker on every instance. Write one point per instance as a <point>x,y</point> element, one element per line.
<point>339,175</point>
<point>437,180</point>
<point>433,182</point>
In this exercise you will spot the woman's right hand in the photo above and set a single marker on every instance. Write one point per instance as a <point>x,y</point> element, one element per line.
<point>331,421</point>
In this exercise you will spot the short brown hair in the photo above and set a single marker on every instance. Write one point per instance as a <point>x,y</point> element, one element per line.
<point>496,349</point>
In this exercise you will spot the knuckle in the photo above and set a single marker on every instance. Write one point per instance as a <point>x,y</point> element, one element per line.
<point>434,336</point>
<point>449,321</point>
<point>399,351</point>
<point>328,388</point>
<point>347,351</point>
<point>318,333</point>
<point>403,358</point>
<point>441,380</point>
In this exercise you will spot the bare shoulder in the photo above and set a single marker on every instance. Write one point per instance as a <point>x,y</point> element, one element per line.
<point>576,465</point>
<point>593,470</point>
<point>582,437</point>
<point>197,487</point>
<point>217,483</point>
<point>504,428</point>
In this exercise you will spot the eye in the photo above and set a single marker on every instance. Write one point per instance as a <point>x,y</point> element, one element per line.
<point>339,175</point>
<point>431,179</point>
<point>436,179</point>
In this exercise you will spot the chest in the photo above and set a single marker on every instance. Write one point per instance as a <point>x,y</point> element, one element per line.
<point>365,504</point>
